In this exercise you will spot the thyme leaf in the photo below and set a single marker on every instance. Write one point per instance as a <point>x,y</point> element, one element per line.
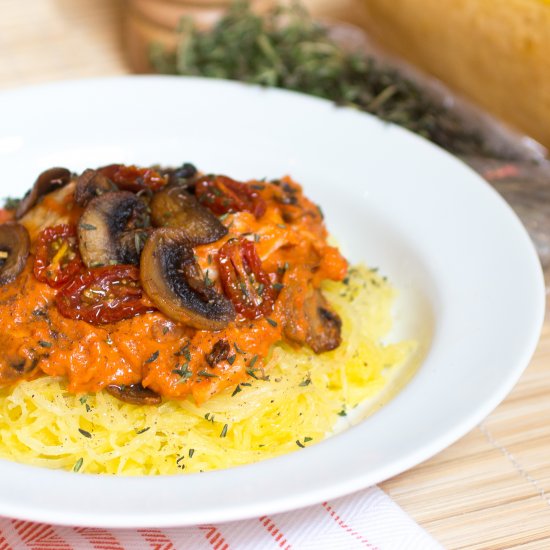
<point>78,464</point>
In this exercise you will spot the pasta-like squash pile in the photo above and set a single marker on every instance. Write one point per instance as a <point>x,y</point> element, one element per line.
<point>295,403</point>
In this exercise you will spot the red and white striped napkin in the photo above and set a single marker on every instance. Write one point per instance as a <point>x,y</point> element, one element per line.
<point>367,519</point>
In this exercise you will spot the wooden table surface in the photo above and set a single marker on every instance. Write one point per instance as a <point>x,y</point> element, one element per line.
<point>491,489</point>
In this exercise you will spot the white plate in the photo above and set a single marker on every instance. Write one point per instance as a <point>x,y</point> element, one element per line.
<point>471,285</point>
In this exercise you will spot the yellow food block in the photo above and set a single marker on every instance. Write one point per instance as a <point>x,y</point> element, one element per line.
<point>496,52</point>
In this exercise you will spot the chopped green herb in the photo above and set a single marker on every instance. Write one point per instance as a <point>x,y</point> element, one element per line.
<point>138,242</point>
<point>300,444</point>
<point>45,344</point>
<point>78,464</point>
<point>243,288</point>
<point>231,359</point>
<point>143,430</point>
<point>184,371</point>
<point>40,313</point>
<point>207,374</point>
<point>272,322</point>
<point>252,372</point>
<point>153,357</point>
<point>224,431</point>
<point>87,226</point>
<point>11,203</point>
<point>305,382</point>
<point>278,286</point>
<point>184,350</point>
<point>342,413</point>
<point>236,390</point>
<point>191,453</point>
<point>252,362</point>
<point>85,433</point>
<point>307,439</point>
<point>237,348</point>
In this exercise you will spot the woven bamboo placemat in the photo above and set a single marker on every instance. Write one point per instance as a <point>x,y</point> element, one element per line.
<point>491,489</point>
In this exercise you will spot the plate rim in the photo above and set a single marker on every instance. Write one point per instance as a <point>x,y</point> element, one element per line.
<point>94,519</point>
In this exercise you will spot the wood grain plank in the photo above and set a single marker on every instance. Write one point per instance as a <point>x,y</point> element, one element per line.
<point>45,40</point>
<point>491,489</point>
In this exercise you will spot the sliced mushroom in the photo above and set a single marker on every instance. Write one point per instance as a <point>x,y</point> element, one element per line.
<point>45,183</point>
<point>325,325</point>
<point>313,322</point>
<point>111,229</point>
<point>175,207</point>
<point>135,394</point>
<point>182,175</point>
<point>175,283</point>
<point>91,184</point>
<point>51,212</point>
<point>14,251</point>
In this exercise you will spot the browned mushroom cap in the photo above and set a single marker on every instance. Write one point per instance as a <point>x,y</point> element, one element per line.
<point>322,330</point>
<point>135,394</point>
<point>110,229</point>
<point>45,183</point>
<point>14,250</point>
<point>91,184</point>
<point>182,176</point>
<point>175,283</point>
<point>174,207</point>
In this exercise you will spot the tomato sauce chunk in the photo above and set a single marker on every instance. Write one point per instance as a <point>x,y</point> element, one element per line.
<point>244,280</point>
<point>223,195</point>
<point>57,258</point>
<point>133,178</point>
<point>104,295</point>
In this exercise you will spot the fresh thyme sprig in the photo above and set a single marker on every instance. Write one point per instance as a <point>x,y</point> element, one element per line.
<point>286,48</point>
